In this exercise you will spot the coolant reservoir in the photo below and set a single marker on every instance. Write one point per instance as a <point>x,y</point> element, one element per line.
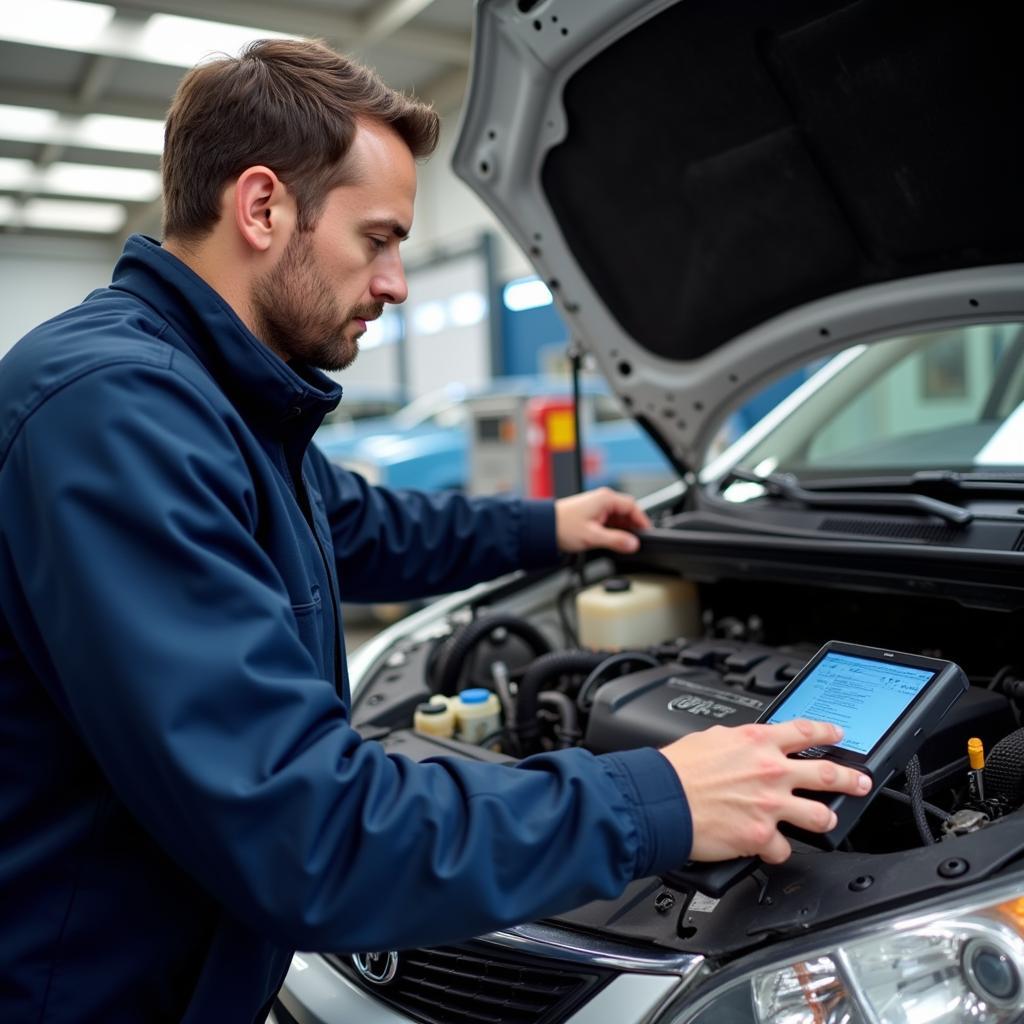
<point>436,718</point>
<point>634,611</point>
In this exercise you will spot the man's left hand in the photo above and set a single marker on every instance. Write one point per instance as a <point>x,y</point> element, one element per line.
<point>599,519</point>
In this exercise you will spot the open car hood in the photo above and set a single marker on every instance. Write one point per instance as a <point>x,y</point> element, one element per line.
<point>717,193</point>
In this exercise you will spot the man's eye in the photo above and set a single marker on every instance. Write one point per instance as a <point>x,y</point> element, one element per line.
<point>378,243</point>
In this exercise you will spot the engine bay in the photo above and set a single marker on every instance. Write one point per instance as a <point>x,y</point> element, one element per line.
<point>745,640</point>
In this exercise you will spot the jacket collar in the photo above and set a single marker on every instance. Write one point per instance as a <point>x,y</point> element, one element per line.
<point>258,381</point>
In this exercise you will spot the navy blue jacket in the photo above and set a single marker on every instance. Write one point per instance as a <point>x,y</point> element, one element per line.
<point>183,801</point>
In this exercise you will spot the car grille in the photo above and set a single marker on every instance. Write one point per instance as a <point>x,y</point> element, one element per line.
<point>474,983</point>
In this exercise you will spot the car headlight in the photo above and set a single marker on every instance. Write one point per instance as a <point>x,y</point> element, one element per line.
<point>963,963</point>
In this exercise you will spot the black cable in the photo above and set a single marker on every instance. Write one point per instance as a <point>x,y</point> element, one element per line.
<point>903,798</point>
<point>461,644</point>
<point>996,681</point>
<point>568,729</point>
<point>548,666</point>
<point>568,626</point>
<point>947,771</point>
<point>916,792</point>
<point>576,365</point>
<point>595,678</point>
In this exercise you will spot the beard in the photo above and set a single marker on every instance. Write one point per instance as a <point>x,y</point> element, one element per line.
<point>296,314</point>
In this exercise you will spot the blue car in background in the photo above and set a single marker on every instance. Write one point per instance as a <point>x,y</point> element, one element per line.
<point>426,445</point>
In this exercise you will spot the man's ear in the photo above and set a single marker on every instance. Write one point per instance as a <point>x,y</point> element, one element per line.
<point>264,211</point>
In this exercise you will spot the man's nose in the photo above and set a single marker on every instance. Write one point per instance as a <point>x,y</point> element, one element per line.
<point>390,285</point>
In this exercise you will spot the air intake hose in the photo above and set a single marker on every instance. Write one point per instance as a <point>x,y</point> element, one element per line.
<point>1004,769</point>
<point>461,644</point>
<point>550,666</point>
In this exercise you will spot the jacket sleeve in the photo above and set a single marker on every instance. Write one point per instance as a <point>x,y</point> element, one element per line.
<point>149,611</point>
<point>398,545</point>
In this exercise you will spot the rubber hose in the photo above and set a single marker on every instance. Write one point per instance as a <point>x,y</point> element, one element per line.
<point>568,728</point>
<point>462,643</point>
<point>916,792</point>
<point>1004,769</point>
<point>549,666</point>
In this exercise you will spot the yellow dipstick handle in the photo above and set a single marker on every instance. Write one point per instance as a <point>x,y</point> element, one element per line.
<point>976,753</point>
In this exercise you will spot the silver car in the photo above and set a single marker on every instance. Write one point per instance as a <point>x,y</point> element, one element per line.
<point>720,194</point>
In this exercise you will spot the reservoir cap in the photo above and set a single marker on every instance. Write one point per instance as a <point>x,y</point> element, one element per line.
<point>617,585</point>
<point>475,695</point>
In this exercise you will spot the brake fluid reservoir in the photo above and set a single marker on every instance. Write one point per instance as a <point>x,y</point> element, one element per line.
<point>477,714</point>
<point>634,611</point>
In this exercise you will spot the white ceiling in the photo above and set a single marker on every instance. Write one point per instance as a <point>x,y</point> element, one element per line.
<point>73,73</point>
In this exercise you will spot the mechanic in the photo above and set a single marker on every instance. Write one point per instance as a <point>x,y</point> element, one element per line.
<point>183,799</point>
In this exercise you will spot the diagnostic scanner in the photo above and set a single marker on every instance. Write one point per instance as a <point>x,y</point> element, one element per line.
<point>887,703</point>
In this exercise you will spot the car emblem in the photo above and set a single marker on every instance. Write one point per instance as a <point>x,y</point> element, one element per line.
<point>376,968</point>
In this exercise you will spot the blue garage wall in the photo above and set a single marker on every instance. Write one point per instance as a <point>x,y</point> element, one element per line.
<point>532,337</point>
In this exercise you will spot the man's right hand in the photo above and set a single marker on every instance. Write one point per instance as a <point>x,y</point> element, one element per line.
<point>739,784</point>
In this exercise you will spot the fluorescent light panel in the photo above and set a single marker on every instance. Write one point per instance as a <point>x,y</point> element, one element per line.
<point>123,134</point>
<point>128,183</point>
<point>63,215</point>
<point>526,293</point>
<point>125,183</point>
<point>172,39</point>
<point>96,131</point>
<point>27,124</point>
<point>66,24</point>
<point>16,175</point>
<point>71,215</point>
<point>92,28</point>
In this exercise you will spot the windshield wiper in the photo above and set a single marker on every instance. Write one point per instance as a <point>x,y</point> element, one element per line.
<point>785,485</point>
<point>951,480</point>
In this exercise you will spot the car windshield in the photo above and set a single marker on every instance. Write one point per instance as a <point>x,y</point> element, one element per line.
<point>951,399</point>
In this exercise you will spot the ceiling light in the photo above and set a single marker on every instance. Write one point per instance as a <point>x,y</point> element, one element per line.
<point>127,183</point>
<point>27,124</point>
<point>107,131</point>
<point>526,293</point>
<point>171,39</point>
<point>96,131</point>
<point>62,23</point>
<point>467,308</point>
<point>69,215</point>
<point>429,318</point>
<point>16,175</point>
<point>8,207</point>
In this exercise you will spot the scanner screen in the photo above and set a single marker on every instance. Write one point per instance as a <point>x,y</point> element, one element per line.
<point>864,696</point>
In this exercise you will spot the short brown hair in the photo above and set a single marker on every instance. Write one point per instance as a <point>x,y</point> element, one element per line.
<point>290,105</point>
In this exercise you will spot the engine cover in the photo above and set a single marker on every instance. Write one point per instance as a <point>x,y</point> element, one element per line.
<point>658,705</point>
<point>731,683</point>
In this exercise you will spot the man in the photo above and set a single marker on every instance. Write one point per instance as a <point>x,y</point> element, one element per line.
<point>183,801</point>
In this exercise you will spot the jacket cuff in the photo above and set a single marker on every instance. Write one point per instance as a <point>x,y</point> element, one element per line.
<point>659,806</point>
<point>538,537</point>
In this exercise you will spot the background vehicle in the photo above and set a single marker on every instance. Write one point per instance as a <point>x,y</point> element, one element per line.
<point>361,406</point>
<point>724,195</point>
<point>426,444</point>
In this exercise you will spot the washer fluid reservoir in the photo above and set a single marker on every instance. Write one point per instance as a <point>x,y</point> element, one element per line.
<point>635,611</point>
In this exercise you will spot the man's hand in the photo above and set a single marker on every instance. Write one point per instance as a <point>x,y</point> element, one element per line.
<point>739,784</point>
<point>599,519</point>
